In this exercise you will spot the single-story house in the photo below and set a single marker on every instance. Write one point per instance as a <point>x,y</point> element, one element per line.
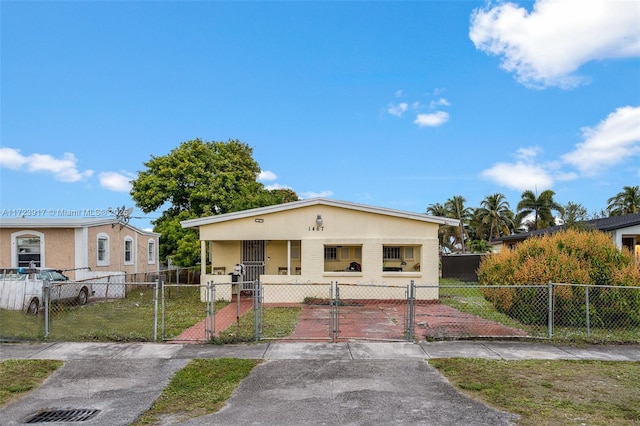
<point>99,245</point>
<point>320,240</point>
<point>624,231</point>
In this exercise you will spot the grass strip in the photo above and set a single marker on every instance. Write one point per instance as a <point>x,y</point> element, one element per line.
<point>201,388</point>
<point>551,392</point>
<point>18,377</point>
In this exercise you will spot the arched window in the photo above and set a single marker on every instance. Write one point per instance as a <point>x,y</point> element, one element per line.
<point>102,250</point>
<point>27,249</point>
<point>151,259</point>
<point>128,251</point>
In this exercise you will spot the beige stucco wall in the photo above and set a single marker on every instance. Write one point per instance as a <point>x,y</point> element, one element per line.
<point>59,246</point>
<point>341,226</point>
<point>71,248</point>
<point>117,236</point>
<point>5,247</point>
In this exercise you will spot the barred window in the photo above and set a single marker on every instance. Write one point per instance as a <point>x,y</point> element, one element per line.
<point>391,253</point>
<point>331,253</point>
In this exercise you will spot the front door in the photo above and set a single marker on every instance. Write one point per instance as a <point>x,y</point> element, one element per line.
<point>253,259</point>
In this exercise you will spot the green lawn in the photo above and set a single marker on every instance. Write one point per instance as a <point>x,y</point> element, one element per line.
<point>551,392</point>
<point>129,319</point>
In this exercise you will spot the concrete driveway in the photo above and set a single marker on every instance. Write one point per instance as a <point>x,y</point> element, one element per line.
<point>350,392</point>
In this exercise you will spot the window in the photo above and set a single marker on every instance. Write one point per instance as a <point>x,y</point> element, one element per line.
<point>330,253</point>
<point>391,253</point>
<point>152,252</point>
<point>28,250</point>
<point>103,250</point>
<point>128,250</point>
<point>408,253</point>
<point>295,250</point>
<point>357,252</point>
<point>345,253</point>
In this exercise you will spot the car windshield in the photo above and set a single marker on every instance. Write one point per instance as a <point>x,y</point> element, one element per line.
<point>57,276</point>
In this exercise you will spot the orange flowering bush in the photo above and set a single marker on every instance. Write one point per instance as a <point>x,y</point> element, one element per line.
<point>569,257</point>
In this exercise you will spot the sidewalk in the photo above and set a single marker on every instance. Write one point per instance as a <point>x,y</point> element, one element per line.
<point>301,383</point>
<point>507,350</point>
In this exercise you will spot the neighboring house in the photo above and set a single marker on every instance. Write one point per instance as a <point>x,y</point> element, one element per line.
<point>319,241</point>
<point>76,244</point>
<point>624,231</point>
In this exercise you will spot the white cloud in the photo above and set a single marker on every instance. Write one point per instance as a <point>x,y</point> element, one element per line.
<point>276,186</point>
<point>519,176</point>
<point>613,140</point>
<point>439,102</point>
<point>267,175</point>
<point>114,181</point>
<point>311,194</point>
<point>546,46</point>
<point>398,109</point>
<point>432,120</point>
<point>63,169</point>
<point>528,153</point>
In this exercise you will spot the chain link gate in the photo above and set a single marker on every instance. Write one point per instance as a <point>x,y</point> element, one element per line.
<point>371,318</point>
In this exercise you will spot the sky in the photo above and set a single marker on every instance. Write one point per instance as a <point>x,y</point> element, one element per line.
<point>389,103</point>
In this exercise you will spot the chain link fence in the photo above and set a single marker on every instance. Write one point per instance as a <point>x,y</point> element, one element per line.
<point>124,309</point>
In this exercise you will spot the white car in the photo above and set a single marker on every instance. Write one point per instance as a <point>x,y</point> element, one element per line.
<point>31,284</point>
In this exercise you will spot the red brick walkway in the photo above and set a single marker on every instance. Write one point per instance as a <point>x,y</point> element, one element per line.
<point>441,321</point>
<point>386,321</point>
<point>371,320</point>
<point>223,319</point>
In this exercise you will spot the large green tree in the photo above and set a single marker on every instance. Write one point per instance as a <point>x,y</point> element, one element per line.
<point>625,202</point>
<point>197,179</point>
<point>541,207</point>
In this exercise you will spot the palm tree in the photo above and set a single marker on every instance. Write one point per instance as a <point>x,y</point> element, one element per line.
<point>496,215</point>
<point>444,233</point>
<point>625,202</point>
<point>542,208</point>
<point>457,210</point>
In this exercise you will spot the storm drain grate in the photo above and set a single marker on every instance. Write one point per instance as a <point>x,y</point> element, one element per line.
<point>50,416</point>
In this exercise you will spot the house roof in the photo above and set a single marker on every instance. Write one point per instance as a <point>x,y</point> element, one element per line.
<point>28,222</point>
<point>605,224</point>
<point>194,223</point>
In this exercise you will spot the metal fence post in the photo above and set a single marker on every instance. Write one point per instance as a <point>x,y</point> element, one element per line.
<point>257,310</point>
<point>410,321</point>
<point>155,313</point>
<point>210,324</point>
<point>47,296</point>
<point>586,299</point>
<point>550,318</point>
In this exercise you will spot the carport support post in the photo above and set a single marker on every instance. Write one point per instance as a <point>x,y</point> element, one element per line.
<point>550,317</point>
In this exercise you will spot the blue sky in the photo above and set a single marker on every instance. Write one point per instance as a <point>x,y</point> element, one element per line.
<point>392,104</point>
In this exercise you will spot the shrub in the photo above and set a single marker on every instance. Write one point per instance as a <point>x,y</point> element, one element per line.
<point>570,257</point>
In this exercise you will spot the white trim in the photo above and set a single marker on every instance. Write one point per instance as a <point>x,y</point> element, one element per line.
<point>194,223</point>
<point>81,236</point>
<point>66,223</point>
<point>107,260</point>
<point>151,242</point>
<point>132,251</point>
<point>14,246</point>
